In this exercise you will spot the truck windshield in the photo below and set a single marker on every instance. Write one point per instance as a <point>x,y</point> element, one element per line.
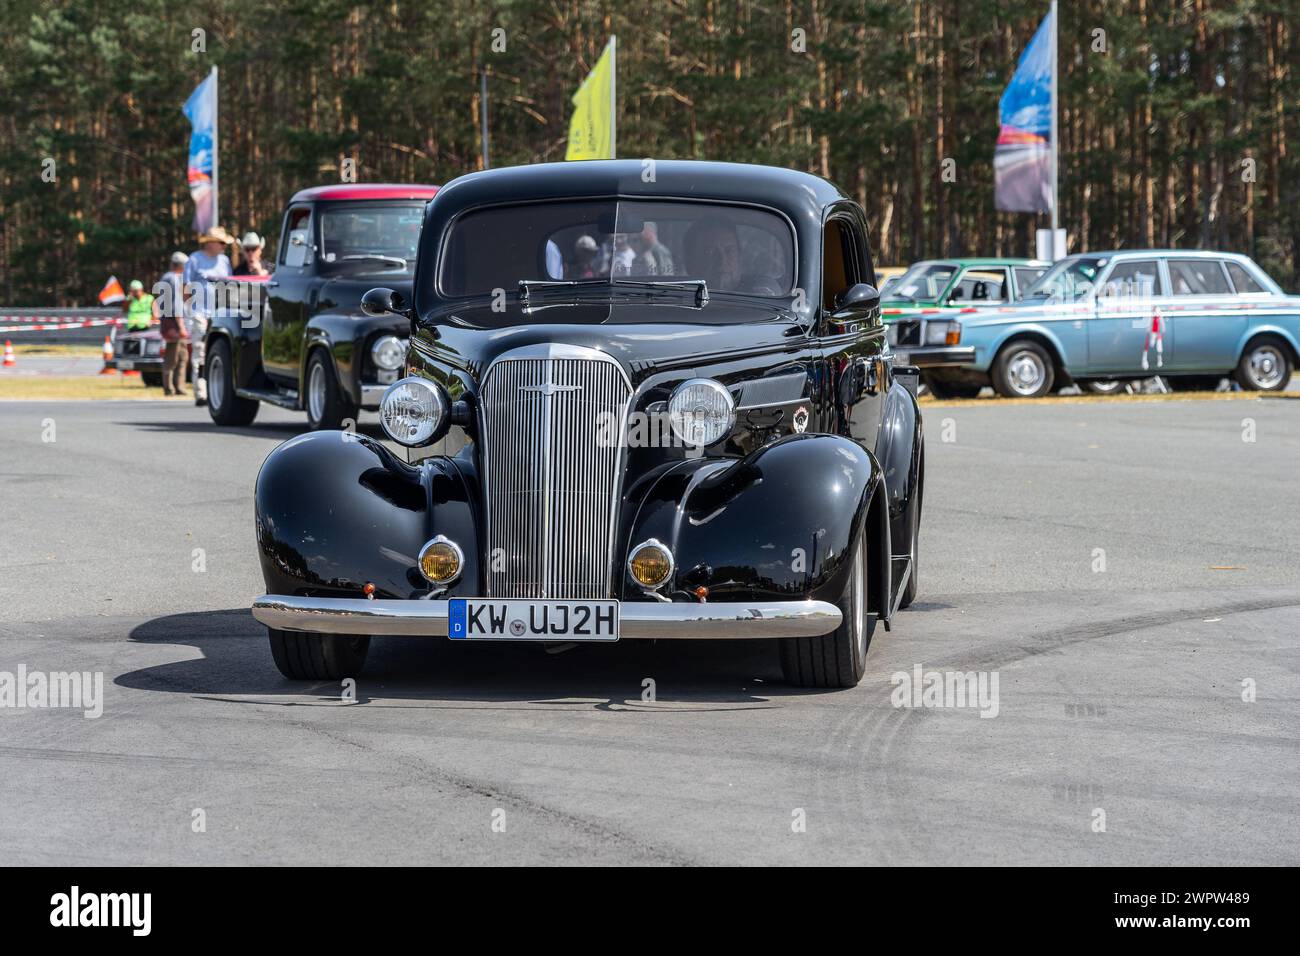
<point>379,236</point>
<point>730,248</point>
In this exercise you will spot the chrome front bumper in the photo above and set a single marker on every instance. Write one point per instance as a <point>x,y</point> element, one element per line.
<point>637,620</point>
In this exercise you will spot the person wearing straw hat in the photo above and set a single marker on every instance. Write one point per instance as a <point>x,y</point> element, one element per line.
<point>205,269</point>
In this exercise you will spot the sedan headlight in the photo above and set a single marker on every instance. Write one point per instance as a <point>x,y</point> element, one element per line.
<point>942,333</point>
<point>701,412</point>
<point>388,352</point>
<point>413,411</point>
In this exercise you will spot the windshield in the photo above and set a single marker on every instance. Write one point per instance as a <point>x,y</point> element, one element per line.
<point>923,282</point>
<point>1068,281</point>
<point>730,248</point>
<point>380,236</point>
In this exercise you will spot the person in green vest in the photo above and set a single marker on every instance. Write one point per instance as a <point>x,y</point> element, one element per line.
<point>138,307</point>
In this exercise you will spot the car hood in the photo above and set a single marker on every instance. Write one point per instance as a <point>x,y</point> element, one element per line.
<point>637,334</point>
<point>343,293</point>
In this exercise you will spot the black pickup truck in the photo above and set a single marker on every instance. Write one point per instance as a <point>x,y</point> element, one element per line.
<point>300,340</point>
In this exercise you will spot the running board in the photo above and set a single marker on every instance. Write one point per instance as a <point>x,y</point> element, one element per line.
<point>286,399</point>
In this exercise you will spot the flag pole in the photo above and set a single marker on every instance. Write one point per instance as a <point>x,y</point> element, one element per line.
<point>1056,135</point>
<point>613,97</point>
<point>216,141</point>
<point>483,112</point>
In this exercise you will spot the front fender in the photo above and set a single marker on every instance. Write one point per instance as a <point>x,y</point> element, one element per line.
<point>777,524</point>
<point>336,511</point>
<point>345,336</point>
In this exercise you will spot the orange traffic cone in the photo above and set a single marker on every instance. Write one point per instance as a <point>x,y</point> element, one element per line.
<point>9,355</point>
<point>108,358</point>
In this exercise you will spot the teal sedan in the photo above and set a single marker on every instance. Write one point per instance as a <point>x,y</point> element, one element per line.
<point>1098,319</point>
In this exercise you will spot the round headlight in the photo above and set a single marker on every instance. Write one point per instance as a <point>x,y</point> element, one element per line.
<point>441,560</point>
<point>413,410</point>
<point>701,411</point>
<point>650,563</point>
<point>388,352</point>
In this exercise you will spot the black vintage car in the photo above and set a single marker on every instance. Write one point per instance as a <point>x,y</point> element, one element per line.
<point>650,410</point>
<point>302,341</point>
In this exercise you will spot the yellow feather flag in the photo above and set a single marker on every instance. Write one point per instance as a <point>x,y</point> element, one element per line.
<point>592,130</point>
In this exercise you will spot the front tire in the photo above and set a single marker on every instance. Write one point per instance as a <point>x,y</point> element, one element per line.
<point>1265,366</point>
<point>318,656</point>
<point>838,659</point>
<point>224,406</point>
<point>151,379</point>
<point>326,404</point>
<point>1023,369</point>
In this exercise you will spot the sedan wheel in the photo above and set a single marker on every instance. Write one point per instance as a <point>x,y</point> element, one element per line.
<point>838,659</point>
<point>318,656</point>
<point>1101,386</point>
<point>1265,366</point>
<point>1023,370</point>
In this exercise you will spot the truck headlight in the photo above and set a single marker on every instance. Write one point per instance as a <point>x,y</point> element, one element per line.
<point>942,333</point>
<point>701,412</point>
<point>413,411</point>
<point>388,352</point>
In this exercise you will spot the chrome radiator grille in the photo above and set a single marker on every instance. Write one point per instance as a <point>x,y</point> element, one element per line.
<point>553,421</point>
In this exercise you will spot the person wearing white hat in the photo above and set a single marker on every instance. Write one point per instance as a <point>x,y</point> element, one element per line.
<point>205,268</point>
<point>250,263</point>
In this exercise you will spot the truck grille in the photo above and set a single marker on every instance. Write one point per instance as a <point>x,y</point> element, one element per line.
<point>553,420</point>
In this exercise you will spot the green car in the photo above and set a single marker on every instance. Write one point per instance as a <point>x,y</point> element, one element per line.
<point>920,305</point>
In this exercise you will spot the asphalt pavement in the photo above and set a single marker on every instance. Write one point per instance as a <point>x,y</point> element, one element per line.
<point>1126,571</point>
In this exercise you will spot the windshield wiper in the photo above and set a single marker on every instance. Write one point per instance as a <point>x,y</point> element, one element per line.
<point>396,260</point>
<point>699,286</point>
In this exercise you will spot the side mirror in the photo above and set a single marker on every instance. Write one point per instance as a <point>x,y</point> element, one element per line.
<point>858,299</point>
<point>380,302</point>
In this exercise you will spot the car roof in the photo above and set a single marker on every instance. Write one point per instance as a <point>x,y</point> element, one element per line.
<point>976,262</point>
<point>1164,253</point>
<point>345,191</point>
<point>791,191</point>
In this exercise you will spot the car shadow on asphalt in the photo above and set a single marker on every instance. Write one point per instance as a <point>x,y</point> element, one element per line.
<point>235,665</point>
<point>257,428</point>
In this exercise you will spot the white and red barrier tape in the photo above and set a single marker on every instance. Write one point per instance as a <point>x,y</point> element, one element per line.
<point>54,326</point>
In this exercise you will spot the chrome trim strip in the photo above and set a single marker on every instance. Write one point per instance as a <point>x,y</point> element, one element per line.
<point>637,620</point>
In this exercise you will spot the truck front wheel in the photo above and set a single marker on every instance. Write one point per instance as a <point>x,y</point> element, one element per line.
<point>326,404</point>
<point>225,407</point>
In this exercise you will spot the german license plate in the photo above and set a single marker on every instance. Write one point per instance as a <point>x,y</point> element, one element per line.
<point>125,366</point>
<point>482,619</point>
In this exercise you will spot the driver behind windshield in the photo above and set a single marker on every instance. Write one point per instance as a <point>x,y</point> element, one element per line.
<point>713,252</point>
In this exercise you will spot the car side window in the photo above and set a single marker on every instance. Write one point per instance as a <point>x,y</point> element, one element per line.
<point>1198,277</point>
<point>980,287</point>
<point>1243,281</point>
<point>297,248</point>
<point>1027,276</point>
<point>839,262</point>
<point>1137,278</point>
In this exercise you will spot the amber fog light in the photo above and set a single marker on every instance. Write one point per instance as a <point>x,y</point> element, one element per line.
<point>441,560</point>
<point>650,563</point>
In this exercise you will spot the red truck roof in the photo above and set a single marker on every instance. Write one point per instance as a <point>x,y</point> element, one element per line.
<point>366,191</point>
